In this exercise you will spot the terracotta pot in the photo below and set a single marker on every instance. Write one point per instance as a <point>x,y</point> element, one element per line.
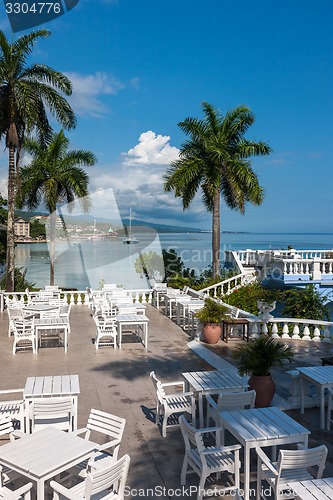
<point>212,333</point>
<point>265,389</point>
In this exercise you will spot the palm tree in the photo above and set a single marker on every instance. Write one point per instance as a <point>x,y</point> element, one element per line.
<point>216,158</point>
<point>55,175</point>
<point>26,93</point>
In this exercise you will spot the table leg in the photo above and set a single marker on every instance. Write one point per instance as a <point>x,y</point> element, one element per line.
<point>201,416</point>
<point>66,338</point>
<point>301,392</point>
<point>322,407</point>
<point>40,489</point>
<point>75,413</point>
<point>246,486</point>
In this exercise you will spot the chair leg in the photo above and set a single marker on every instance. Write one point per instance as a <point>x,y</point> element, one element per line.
<point>201,487</point>
<point>164,424</point>
<point>329,411</point>
<point>183,472</point>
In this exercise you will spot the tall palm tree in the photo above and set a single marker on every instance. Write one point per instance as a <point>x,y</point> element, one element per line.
<point>55,175</point>
<point>26,93</point>
<point>216,158</point>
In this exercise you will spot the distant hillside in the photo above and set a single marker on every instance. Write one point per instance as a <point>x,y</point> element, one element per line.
<point>89,219</point>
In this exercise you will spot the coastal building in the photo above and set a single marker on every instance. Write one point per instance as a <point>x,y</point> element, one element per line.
<point>21,228</point>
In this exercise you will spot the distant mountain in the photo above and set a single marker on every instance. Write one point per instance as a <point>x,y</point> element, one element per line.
<point>139,224</point>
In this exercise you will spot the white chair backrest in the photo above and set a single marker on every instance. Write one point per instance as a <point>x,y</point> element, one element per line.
<point>236,400</point>
<point>304,458</point>
<point>111,478</point>
<point>106,423</point>
<point>6,425</point>
<point>24,327</point>
<point>58,412</point>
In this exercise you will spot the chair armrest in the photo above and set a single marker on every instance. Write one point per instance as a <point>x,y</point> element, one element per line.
<point>16,435</point>
<point>24,489</point>
<point>221,449</point>
<point>9,391</point>
<point>264,458</point>
<point>211,401</point>
<point>59,488</point>
<point>177,394</point>
<point>109,444</point>
<point>83,430</point>
<point>174,384</point>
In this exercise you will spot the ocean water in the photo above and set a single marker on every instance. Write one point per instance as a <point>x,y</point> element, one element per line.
<point>87,263</point>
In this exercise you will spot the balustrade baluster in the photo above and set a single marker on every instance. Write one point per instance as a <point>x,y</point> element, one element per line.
<point>285,331</point>
<point>306,332</point>
<point>295,335</point>
<point>316,334</point>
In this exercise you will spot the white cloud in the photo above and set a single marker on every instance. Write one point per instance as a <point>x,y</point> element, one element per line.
<point>152,150</point>
<point>88,91</point>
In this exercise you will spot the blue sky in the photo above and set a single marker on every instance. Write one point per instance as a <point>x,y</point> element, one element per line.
<point>138,68</point>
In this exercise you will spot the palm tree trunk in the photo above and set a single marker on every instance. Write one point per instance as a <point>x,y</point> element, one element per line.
<point>52,244</point>
<point>10,258</point>
<point>216,236</point>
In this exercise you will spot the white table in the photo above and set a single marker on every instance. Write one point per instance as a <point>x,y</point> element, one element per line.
<point>315,489</point>
<point>44,454</point>
<point>184,306</point>
<point>136,308</point>
<point>170,300</point>
<point>261,427</point>
<point>322,377</point>
<point>53,386</point>
<point>45,324</point>
<point>137,321</point>
<point>210,382</point>
<point>39,309</point>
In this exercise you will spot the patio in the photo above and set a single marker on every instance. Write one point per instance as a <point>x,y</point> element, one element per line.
<point>117,381</point>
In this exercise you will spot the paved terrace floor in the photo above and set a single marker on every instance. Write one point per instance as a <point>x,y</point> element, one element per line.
<point>117,381</point>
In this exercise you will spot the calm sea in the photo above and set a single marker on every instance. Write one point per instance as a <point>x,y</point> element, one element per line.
<point>87,262</point>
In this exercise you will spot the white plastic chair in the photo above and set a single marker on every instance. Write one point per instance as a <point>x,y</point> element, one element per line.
<point>105,424</point>
<point>171,404</point>
<point>106,332</point>
<point>19,493</point>
<point>58,412</point>
<point>15,409</point>
<point>24,334</point>
<point>8,475</point>
<point>228,401</point>
<point>206,460</point>
<point>292,465</point>
<point>13,314</point>
<point>108,483</point>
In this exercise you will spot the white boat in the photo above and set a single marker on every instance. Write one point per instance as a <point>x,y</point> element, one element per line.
<point>130,239</point>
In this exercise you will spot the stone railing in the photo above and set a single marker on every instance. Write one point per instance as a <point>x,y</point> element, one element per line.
<point>225,287</point>
<point>79,297</point>
<point>293,329</point>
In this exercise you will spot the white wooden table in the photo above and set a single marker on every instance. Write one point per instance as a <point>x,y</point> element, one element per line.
<point>184,306</point>
<point>322,377</point>
<point>261,427</point>
<point>137,308</point>
<point>137,321</point>
<point>210,382</point>
<point>170,300</point>
<point>44,454</point>
<point>315,489</point>
<point>39,309</point>
<point>53,386</point>
<point>45,324</point>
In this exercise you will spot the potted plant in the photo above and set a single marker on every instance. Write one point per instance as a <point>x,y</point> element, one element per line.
<point>256,359</point>
<point>211,315</point>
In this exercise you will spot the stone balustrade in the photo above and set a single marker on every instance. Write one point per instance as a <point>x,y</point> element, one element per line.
<point>79,297</point>
<point>294,329</point>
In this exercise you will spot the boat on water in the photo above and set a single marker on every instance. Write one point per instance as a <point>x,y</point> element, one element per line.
<point>130,239</point>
